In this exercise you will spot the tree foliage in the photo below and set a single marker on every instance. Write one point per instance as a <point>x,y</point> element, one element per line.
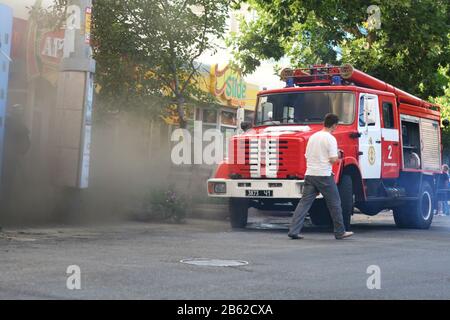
<point>51,17</point>
<point>444,102</point>
<point>407,51</point>
<point>146,50</point>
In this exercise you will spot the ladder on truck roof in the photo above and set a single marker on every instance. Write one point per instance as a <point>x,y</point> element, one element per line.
<point>347,74</point>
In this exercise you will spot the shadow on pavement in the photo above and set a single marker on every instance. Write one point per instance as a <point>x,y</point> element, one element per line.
<point>281,224</point>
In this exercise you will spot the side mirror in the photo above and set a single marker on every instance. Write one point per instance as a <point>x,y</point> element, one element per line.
<point>245,125</point>
<point>445,122</point>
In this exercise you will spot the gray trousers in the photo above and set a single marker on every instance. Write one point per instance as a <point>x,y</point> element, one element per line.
<point>327,187</point>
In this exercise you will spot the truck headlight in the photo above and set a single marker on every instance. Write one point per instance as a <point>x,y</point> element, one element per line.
<point>220,187</point>
<point>217,187</point>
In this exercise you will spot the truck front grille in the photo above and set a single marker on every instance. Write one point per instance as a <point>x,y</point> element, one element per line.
<point>271,157</point>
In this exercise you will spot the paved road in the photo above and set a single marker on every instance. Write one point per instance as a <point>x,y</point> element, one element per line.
<point>141,260</point>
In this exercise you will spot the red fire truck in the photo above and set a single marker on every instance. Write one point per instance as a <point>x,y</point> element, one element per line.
<point>389,140</point>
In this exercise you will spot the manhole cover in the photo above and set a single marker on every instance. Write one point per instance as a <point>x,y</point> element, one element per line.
<point>214,262</point>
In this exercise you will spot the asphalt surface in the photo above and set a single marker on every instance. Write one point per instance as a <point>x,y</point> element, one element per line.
<point>142,261</point>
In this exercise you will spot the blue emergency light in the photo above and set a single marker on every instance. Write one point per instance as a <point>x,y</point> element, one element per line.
<point>336,80</point>
<point>290,82</point>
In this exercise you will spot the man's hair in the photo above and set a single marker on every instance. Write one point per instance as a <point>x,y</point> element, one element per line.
<point>330,120</point>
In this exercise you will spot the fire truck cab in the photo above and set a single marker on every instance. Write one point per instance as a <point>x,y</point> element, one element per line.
<point>389,140</point>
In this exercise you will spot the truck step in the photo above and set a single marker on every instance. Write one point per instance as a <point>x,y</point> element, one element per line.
<point>378,199</point>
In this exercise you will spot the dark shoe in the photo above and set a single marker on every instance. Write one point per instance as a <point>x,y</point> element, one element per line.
<point>344,235</point>
<point>295,236</point>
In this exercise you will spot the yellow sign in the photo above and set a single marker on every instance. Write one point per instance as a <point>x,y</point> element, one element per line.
<point>372,155</point>
<point>228,84</point>
<point>87,27</point>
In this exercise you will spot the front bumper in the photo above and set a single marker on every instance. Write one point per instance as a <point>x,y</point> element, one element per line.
<point>286,189</point>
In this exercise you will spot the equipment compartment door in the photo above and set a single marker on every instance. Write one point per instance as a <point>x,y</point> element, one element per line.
<point>430,144</point>
<point>370,139</point>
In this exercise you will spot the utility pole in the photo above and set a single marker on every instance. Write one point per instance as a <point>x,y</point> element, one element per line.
<point>73,114</point>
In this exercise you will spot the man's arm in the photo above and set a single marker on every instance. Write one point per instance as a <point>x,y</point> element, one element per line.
<point>339,157</point>
<point>333,151</point>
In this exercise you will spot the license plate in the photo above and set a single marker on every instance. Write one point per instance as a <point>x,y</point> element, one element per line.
<point>259,193</point>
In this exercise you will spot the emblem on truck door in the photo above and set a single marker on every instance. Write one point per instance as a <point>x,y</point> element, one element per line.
<point>371,155</point>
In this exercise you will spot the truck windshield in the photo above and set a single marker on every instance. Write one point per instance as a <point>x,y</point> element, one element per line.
<point>305,107</point>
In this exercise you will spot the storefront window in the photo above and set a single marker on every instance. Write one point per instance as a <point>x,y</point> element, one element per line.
<point>189,113</point>
<point>189,117</point>
<point>228,118</point>
<point>210,116</point>
<point>227,127</point>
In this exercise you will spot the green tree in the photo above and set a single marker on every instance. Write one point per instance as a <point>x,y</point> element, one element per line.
<point>146,50</point>
<point>444,102</point>
<point>412,43</point>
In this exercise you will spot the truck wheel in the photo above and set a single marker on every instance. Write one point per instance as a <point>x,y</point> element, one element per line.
<point>418,215</point>
<point>319,213</point>
<point>238,209</point>
<point>401,216</point>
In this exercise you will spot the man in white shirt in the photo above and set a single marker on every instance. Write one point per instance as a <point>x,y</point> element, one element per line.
<point>321,153</point>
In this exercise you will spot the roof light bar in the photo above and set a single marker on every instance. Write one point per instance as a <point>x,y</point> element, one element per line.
<point>315,75</point>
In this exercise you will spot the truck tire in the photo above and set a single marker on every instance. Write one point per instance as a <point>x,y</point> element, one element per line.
<point>319,213</point>
<point>401,216</point>
<point>238,209</point>
<point>418,215</point>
